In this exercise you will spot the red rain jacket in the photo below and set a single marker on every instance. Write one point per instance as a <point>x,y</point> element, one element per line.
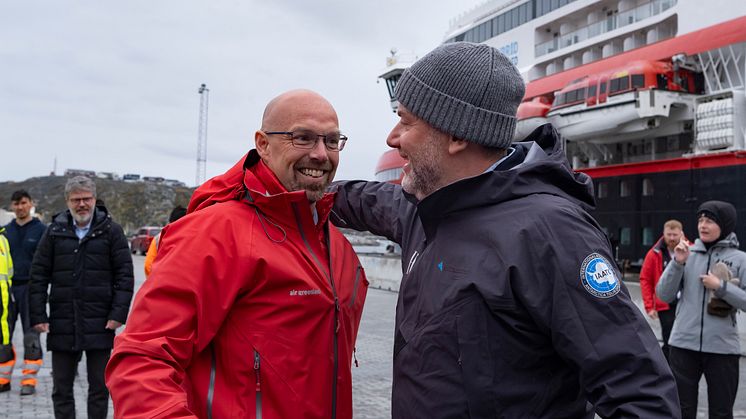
<point>242,317</point>
<point>650,273</point>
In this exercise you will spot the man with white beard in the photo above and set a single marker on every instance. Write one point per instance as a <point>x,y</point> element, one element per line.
<point>85,258</point>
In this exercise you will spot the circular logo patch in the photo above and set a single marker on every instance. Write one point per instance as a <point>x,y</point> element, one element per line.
<point>598,277</point>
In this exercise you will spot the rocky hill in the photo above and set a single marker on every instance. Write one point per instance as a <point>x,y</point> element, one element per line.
<point>131,204</point>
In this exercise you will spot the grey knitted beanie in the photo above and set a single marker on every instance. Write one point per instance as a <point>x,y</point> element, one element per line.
<point>471,91</point>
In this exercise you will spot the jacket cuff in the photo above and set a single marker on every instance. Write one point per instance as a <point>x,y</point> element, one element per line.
<point>721,291</point>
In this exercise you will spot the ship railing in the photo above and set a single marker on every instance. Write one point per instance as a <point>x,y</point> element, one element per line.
<point>608,24</point>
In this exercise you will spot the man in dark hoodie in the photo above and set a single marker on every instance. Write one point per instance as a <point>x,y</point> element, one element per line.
<point>510,303</point>
<point>705,339</point>
<point>85,258</point>
<point>23,234</point>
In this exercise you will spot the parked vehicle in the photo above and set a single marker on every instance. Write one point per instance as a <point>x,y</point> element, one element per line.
<point>141,241</point>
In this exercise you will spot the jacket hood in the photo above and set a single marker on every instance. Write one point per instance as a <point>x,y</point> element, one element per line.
<point>731,240</point>
<point>221,188</point>
<point>543,168</point>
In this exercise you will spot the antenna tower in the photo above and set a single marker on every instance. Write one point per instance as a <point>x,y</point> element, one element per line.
<point>204,98</point>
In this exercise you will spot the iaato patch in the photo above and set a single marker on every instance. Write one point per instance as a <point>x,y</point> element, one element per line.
<point>598,277</point>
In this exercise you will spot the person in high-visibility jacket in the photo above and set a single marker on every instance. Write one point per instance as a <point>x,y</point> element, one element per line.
<point>176,213</point>
<point>7,356</point>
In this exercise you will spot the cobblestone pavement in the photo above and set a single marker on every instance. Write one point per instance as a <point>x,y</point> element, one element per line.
<point>371,380</point>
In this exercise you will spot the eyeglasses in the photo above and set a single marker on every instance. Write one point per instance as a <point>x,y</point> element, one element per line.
<point>307,139</point>
<point>77,201</point>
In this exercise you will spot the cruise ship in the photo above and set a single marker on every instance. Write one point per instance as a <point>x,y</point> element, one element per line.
<point>648,96</point>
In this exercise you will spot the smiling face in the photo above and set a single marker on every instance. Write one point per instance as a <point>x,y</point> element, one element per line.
<point>424,149</point>
<point>81,204</point>
<point>708,229</point>
<point>297,169</point>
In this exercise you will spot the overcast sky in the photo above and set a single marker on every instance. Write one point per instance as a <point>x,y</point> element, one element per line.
<point>112,86</point>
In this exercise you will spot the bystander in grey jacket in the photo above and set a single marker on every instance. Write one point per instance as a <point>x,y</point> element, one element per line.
<point>695,329</point>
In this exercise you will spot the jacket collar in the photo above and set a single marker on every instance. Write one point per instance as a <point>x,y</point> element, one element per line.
<point>252,180</point>
<point>100,217</point>
<point>538,166</point>
<point>264,190</point>
<point>729,241</point>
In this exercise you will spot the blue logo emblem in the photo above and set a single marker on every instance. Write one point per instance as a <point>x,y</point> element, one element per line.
<point>440,266</point>
<point>598,277</point>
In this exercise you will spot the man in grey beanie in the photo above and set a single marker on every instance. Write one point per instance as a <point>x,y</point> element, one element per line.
<point>510,303</point>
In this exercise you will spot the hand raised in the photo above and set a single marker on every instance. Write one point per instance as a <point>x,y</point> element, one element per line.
<point>681,252</point>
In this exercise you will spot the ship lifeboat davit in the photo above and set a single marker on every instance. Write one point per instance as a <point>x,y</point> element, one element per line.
<point>642,100</point>
<point>531,115</point>
<point>389,167</point>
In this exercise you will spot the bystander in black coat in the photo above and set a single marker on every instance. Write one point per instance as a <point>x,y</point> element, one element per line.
<point>91,282</point>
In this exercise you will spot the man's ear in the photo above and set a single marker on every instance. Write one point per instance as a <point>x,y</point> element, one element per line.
<point>457,145</point>
<point>262,143</point>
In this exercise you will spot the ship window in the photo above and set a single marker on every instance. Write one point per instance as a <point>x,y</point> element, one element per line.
<point>592,91</point>
<point>603,88</point>
<point>603,189</point>
<point>613,85</point>
<point>647,187</point>
<point>647,236</point>
<point>501,23</point>
<point>571,96</point>
<point>391,84</point>
<point>545,7</point>
<point>522,15</point>
<point>389,175</point>
<point>624,83</point>
<point>581,94</point>
<point>638,81</point>
<point>495,29</point>
<point>514,18</point>
<point>624,188</point>
<point>624,236</point>
<point>618,84</point>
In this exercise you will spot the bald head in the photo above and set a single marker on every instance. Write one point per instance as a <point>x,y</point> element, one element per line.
<point>297,166</point>
<point>295,105</point>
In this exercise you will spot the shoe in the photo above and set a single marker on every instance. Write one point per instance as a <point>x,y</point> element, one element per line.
<point>27,390</point>
<point>4,387</point>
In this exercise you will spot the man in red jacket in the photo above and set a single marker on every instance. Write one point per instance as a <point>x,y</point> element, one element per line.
<point>255,298</point>
<point>655,262</point>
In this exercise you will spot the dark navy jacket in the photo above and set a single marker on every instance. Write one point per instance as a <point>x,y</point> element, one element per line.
<point>510,304</point>
<point>23,241</point>
<point>91,282</point>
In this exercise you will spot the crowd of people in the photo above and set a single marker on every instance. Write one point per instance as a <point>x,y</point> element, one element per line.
<point>510,305</point>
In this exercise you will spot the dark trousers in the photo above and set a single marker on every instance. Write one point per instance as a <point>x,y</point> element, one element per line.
<point>666,318</point>
<point>64,367</point>
<point>721,374</point>
<point>31,339</point>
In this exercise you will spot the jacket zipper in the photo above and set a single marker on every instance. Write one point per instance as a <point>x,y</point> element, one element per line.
<point>257,364</point>
<point>211,388</point>
<point>335,326</point>
<point>354,288</point>
<point>704,299</point>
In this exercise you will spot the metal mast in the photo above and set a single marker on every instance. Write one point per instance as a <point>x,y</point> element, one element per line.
<point>202,134</point>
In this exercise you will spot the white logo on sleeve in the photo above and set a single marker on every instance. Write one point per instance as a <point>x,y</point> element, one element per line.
<point>598,277</point>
